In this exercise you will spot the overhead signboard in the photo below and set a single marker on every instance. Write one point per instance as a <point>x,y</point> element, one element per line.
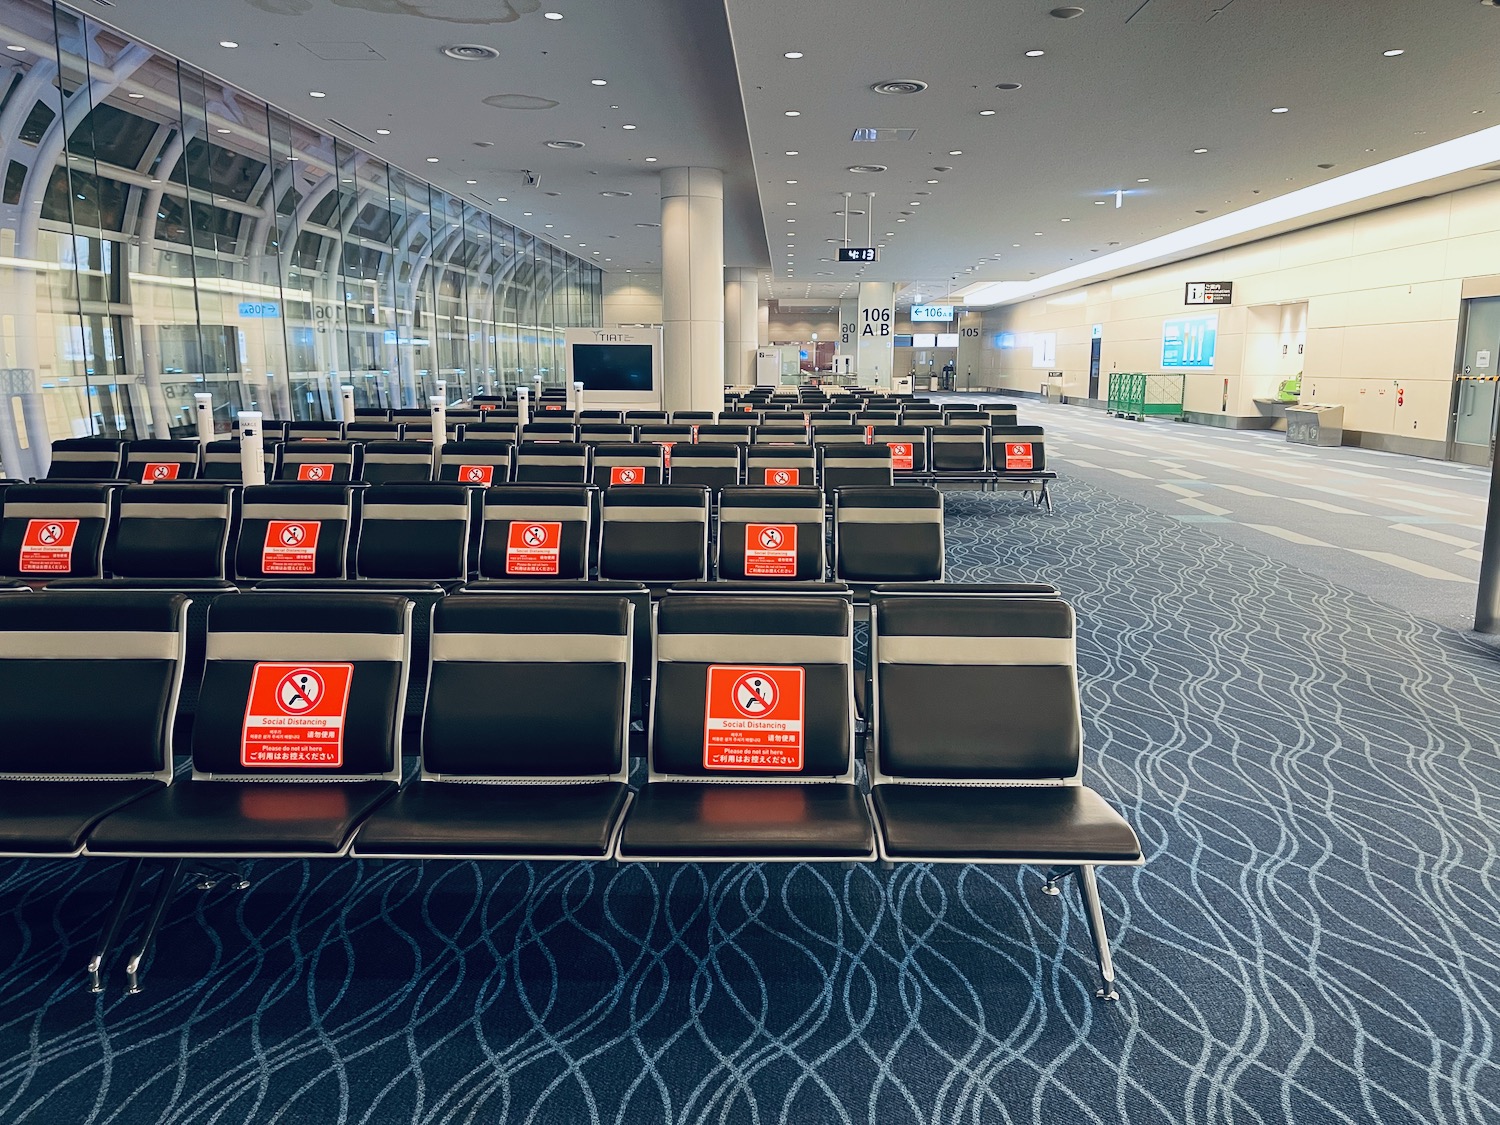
<point>259,310</point>
<point>1209,293</point>
<point>858,254</point>
<point>932,312</point>
<point>1188,343</point>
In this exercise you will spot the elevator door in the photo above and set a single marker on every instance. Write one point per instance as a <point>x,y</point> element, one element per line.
<point>1475,382</point>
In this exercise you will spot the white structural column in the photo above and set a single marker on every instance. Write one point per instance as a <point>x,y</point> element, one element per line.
<point>741,298</point>
<point>877,333</point>
<point>763,324</point>
<point>692,288</point>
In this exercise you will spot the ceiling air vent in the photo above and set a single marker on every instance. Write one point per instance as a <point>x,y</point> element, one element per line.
<point>615,194</point>
<point>565,144</point>
<point>900,86</point>
<point>869,134</point>
<point>867,168</point>
<point>471,52</point>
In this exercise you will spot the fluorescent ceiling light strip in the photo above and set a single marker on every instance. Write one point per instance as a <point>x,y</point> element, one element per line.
<point>1457,155</point>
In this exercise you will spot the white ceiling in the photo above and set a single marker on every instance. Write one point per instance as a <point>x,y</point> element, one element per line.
<point>1125,92</point>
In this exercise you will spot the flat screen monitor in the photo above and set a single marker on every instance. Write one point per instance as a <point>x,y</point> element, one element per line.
<point>923,340</point>
<point>903,341</point>
<point>947,339</point>
<point>612,367</point>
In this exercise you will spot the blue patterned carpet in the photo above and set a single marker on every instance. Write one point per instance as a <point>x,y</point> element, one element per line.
<point>1313,939</point>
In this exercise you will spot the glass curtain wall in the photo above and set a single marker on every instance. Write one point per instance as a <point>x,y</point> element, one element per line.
<point>162,234</point>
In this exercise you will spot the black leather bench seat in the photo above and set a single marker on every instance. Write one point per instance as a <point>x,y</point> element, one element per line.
<point>241,818</point>
<point>1052,824</point>
<point>43,817</point>
<point>705,820</point>
<point>436,819</point>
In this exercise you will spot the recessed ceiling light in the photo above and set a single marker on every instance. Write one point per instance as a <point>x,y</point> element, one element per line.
<point>1387,54</point>
<point>791,203</point>
<point>598,82</point>
<point>15,47</point>
<point>791,220</point>
<point>471,181</point>
<point>222,43</point>
<point>547,226</point>
<point>986,113</point>
<point>650,160</point>
<point>793,152</point>
<point>901,220</point>
<point>627,126</point>
<point>222,130</point>
<point>502,199</point>
<point>432,160</point>
<point>1098,203</point>
<point>527,214</point>
<point>1143,181</point>
<point>316,94</point>
<point>1037,233</point>
<point>1281,109</point>
<point>1035,54</point>
<point>135,95</point>
<point>791,181</point>
<point>1015,245</point>
<point>1065,220</point>
<point>794,113</point>
<point>890,234</point>
<point>793,55</point>
<point>383,132</point>
<point>1199,151</point>
<point>955,152</point>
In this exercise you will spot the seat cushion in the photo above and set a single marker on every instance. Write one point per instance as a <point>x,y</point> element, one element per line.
<point>52,817</point>
<point>209,818</point>
<point>1036,824</point>
<point>439,818</point>
<point>690,820</point>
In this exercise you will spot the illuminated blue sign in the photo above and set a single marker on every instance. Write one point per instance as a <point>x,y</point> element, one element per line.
<point>259,310</point>
<point>1188,343</point>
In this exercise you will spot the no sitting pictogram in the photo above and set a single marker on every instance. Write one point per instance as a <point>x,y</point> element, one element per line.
<point>299,691</point>
<point>783,477</point>
<point>50,534</point>
<point>534,536</point>
<point>755,694</point>
<point>771,538</point>
<point>293,534</point>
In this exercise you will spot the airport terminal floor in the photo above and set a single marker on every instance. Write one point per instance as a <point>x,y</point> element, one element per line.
<point>1303,734</point>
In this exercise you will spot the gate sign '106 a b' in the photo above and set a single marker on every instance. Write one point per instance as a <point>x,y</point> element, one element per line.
<point>1209,293</point>
<point>858,254</point>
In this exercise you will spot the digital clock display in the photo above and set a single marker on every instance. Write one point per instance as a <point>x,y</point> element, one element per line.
<point>858,254</point>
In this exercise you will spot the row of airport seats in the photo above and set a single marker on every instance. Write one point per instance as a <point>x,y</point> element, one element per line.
<point>436,533</point>
<point>712,455</point>
<point>297,747</point>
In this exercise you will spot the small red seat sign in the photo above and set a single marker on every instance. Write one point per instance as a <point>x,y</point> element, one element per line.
<point>754,718</point>
<point>901,455</point>
<point>315,472</point>
<point>295,714</point>
<point>666,453</point>
<point>154,471</point>
<point>476,474</point>
<point>771,550</point>
<point>291,547</point>
<point>782,478</point>
<point>533,547</point>
<point>47,546</point>
<point>1018,455</point>
<point>627,474</point>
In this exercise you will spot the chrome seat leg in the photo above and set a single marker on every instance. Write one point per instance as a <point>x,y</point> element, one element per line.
<point>129,886</point>
<point>165,888</point>
<point>1088,889</point>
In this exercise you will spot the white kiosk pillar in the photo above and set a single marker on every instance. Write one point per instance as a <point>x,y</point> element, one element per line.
<point>203,407</point>
<point>439,408</point>
<point>346,402</point>
<point>252,448</point>
<point>523,407</point>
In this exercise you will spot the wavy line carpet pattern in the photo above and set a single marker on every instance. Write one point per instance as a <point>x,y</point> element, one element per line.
<point>1313,939</point>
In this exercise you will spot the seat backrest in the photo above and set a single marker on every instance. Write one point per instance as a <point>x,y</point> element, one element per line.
<point>529,686</point>
<point>843,434</point>
<point>294,531</point>
<point>831,417</point>
<point>363,429</point>
<point>908,446</point>
<point>320,462</point>
<point>314,431</point>
<point>154,460</point>
<point>174,531</point>
<point>1018,449</point>
<point>718,432</point>
<point>921,415</point>
<point>665,432</point>
<point>536,531</point>
<point>855,465</point>
<point>713,465</point>
<point>771,533</point>
<point>593,416</point>
<point>414,531</point>
<point>89,681</point>
<point>397,462</point>
<point>221,460</point>
<point>960,449</point>
<point>693,417</point>
<point>781,466</point>
<point>419,430</point>
<point>890,534</point>
<point>475,462</point>
<point>491,431</point>
<point>877,418</point>
<point>723,663</point>
<point>542,429</point>
<point>1001,413</point>
<point>550,462</point>
<point>371,414</point>
<point>87,458</point>
<point>303,685</point>
<point>594,433</point>
<point>980,688</point>
<point>781,433</point>
<point>647,417</point>
<point>654,533</point>
<point>629,463</point>
<point>56,530</point>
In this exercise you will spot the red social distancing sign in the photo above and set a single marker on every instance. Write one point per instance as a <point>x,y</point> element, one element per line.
<point>154,471</point>
<point>47,546</point>
<point>901,455</point>
<point>1018,455</point>
<point>295,716</point>
<point>753,718</point>
<point>533,548</point>
<point>771,550</point>
<point>782,478</point>
<point>476,474</point>
<point>315,472</point>
<point>291,547</point>
<point>627,474</point>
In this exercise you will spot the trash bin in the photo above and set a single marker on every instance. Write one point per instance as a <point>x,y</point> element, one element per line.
<point>1315,424</point>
